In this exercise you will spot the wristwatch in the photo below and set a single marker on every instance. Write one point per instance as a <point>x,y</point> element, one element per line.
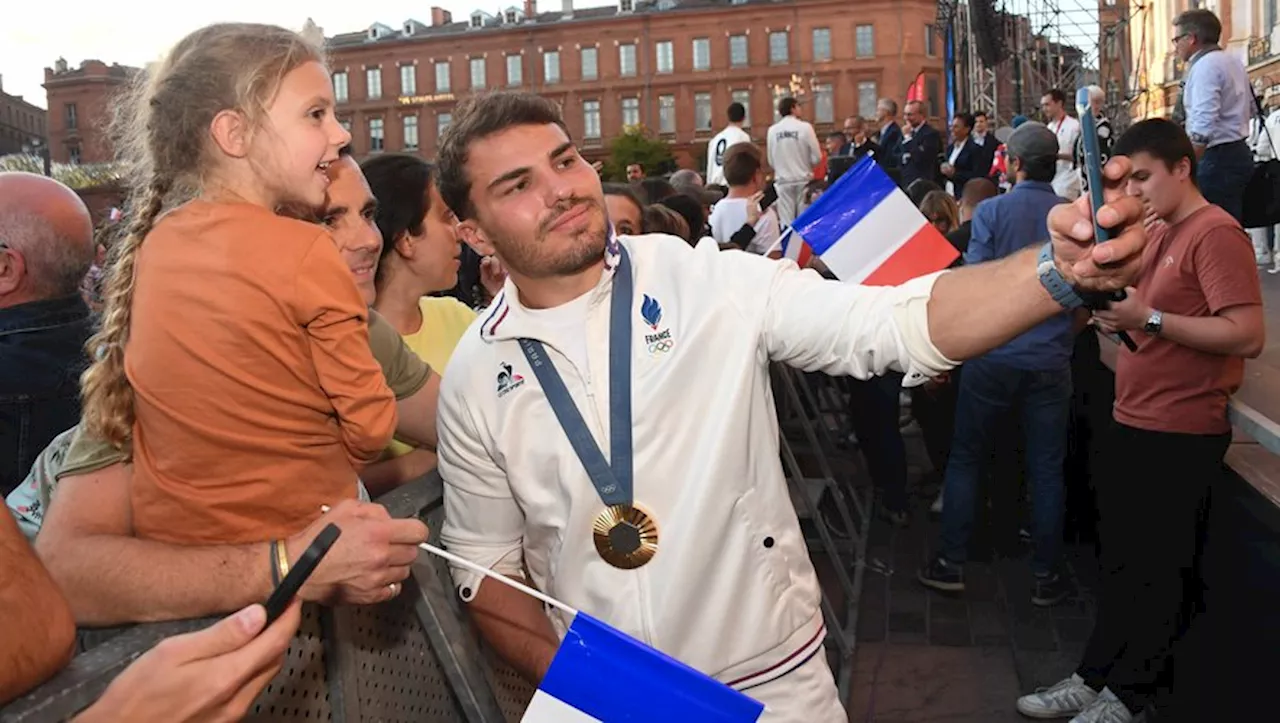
<point>1058,288</point>
<point>1155,323</point>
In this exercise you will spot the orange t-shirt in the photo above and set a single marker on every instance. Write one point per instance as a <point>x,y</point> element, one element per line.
<point>256,394</point>
<point>1198,267</point>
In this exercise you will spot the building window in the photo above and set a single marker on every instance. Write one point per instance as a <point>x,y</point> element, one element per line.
<point>627,60</point>
<point>442,123</point>
<point>666,60</point>
<point>667,113</point>
<point>74,152</point>
<point>626,6</point>
<point>702,53</point>
<point>511,17</point>
<point>373,83</point>
<point>778,50</point>
<point>702,111</point>
<point>931,94</point>
<point>867,98</point>
<point>590,119</point>
<point>477,73</point>
<point>738,57</point>
<point>340,86</point>
<point>375,134</point>
<point>408,80</point>
<point>821,44</point>
<point>411,133</point>
<point>864,41</point>
<point>744,97</point>
<point>442,77</point>
<point>551,66</point>
<point>590,63</point>
<point>72,117</point>
<point>515,70</point>
<point>630,112</point>
<point>824,107</point>
<point>930,40</point>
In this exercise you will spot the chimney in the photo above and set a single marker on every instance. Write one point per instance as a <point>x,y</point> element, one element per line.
<point>530,10</point>
<point>567,10</point>
<point>440,16</point>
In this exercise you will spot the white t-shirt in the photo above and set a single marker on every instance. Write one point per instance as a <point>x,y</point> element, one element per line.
<point>716,149</point>
<point>566,322</point>
<point>730,214</point>
<point>1066,182</point>
<point>793,150</point>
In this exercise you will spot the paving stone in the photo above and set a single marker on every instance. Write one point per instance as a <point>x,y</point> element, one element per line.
<point>988,619</point>
<point>950,634</point>
<point>1073,630</point>
<point>943,609</point>
<point>915,600</point>
<point>895,683</point>
<point>1035,633</point>
<point>907,622</point>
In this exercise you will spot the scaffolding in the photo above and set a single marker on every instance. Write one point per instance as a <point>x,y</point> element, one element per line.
<point>1045,44</point>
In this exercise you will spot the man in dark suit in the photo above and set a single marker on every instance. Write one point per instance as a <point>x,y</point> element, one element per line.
<point>890,138</point>
<point>859,143</point>
<point>984,139</point>
<point>964,158</point>
<point>921,146</point>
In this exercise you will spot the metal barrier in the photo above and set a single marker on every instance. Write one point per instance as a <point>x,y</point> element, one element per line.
<point>416,659</point>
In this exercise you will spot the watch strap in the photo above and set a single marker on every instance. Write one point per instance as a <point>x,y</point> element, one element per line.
<point>1058,288</point>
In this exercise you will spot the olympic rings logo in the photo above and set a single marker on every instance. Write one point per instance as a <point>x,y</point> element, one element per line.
<point>661,346</point>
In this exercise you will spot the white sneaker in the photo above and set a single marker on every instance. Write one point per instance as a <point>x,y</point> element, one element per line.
<point>936,507</point>
<point>1106,709</point>
<point>1066,698</point>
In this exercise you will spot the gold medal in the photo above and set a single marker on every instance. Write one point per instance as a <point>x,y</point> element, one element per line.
<point>625,536</point>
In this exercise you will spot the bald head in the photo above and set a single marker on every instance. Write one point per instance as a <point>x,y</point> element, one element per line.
<point>49,236</point>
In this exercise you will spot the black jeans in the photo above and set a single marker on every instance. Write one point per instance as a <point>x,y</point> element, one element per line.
<point>1222,175</point>
<point>874,407</point>
<point>1151,491</point>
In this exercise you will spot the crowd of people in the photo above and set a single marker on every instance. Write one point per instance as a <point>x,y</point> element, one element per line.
<point>280,334</point>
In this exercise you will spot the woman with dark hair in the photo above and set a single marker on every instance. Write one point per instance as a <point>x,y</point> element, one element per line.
<point>626,212</point>
<point>420,253</point>
<point>691,210</point>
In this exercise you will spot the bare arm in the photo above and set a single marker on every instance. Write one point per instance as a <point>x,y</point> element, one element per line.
<point>111,577</point>
<point>36,626</point>
<point>517,628</point>
<point>417,415</point>
<point>1238,331</point>
<point>384,476</point>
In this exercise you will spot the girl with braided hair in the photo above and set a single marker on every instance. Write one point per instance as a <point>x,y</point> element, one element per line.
<point>234,350</point>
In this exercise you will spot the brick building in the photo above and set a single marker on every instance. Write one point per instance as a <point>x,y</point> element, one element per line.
<point>21,123</point>
<point>79,102</point>
<point>671,65</point>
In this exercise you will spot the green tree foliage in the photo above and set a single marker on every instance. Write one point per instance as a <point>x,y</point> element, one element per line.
<point>637,145</point>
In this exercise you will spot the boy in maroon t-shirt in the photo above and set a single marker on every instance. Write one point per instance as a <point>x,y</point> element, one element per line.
<point>1196,315</point>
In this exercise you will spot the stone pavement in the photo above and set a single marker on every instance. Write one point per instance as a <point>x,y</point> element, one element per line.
<point>925,657</point>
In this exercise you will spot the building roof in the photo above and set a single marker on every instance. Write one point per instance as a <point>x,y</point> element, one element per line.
<point>494,22</point>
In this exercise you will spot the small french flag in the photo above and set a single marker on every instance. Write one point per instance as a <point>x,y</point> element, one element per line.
<point>867,231</point>
<point>601,675</point>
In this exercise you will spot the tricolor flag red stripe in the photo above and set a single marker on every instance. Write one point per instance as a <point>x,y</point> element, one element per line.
<point>867,231</point>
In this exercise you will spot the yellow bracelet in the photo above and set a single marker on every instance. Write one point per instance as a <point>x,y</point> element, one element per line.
<point>282,559</point>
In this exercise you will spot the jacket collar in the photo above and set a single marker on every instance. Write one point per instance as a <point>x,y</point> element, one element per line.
<point>43,314</point>
<point>508,319</point>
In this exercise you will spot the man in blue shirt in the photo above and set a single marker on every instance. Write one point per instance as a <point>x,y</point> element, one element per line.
<point>1032,373</point>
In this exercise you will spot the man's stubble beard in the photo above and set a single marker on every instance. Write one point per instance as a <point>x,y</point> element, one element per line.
<point>532,262</point>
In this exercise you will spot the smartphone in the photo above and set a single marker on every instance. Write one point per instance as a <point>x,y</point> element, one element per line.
<point>298,574</point>
<point>770,196</point>
<point>1093,175</point>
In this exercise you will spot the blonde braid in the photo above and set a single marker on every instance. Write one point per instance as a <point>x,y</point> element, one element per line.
<point>107,398</point>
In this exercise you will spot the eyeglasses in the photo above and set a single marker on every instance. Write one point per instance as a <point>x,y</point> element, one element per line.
<point>1176,38</point>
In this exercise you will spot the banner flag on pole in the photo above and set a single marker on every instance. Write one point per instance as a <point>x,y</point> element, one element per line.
<point>867,231</point>
<point>602,675</point>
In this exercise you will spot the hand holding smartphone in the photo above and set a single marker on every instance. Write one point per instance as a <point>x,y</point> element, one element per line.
<point>1093,176</point>
<point>298,574</point>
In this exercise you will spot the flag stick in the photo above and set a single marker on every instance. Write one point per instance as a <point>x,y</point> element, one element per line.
<point>480,569</point>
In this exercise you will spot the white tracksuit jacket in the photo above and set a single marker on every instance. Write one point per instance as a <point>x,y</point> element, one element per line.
<point>731,590</point>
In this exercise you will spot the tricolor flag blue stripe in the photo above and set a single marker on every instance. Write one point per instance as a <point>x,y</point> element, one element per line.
<point>867,231</point>
<point>601,674</point>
